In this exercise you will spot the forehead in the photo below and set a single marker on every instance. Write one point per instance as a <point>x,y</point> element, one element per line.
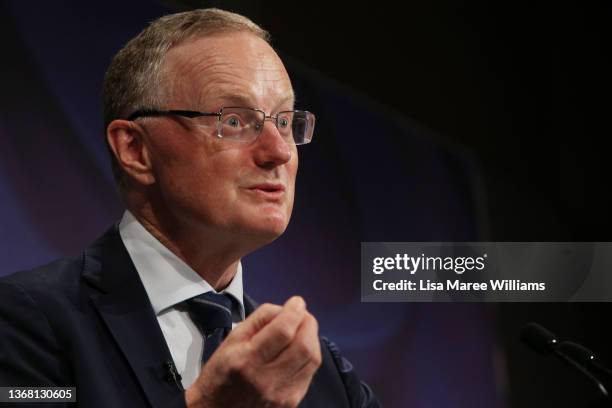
<point>238,66</point>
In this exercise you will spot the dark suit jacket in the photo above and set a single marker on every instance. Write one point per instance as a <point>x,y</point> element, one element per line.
<point>87,322</point>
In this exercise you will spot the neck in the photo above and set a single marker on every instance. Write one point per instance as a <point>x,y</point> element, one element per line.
<point>211,255</point>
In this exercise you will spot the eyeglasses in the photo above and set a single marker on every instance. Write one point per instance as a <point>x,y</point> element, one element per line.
<point>246,124</point>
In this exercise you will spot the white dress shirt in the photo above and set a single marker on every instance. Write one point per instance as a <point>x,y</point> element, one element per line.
<point>169,281</point>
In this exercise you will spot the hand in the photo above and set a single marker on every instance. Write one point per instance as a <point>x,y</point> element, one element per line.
<point>266,361</point>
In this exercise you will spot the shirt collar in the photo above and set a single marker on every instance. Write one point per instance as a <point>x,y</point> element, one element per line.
<point>167,279</point>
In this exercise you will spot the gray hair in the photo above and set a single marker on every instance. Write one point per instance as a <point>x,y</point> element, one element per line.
<point>134,80</point>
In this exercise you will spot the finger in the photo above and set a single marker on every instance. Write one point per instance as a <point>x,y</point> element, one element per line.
<point>303,355</point>
<point>278,333</point>
<point>255,322</point>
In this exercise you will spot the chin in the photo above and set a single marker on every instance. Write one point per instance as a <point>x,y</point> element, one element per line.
<point>263,223</point>
<point>267,229</point>
<point>273,228</point>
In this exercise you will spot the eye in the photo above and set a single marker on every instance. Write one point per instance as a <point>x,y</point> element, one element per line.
<point>233,121</point>
<point>283,122</point>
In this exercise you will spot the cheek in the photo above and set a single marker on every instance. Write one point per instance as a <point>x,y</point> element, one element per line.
<point>292,168</point>
<point>198,178</point>
<point>189,156</point>
<point>291,178</point>
<point>215,179</point>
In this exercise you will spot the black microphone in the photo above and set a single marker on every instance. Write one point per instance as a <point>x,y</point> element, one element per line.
<point>538,338</point>
<point>586,358</point>
<point>544,342</point>
<point>172,374</point>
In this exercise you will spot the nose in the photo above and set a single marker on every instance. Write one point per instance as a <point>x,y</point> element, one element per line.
<point>271,149</point>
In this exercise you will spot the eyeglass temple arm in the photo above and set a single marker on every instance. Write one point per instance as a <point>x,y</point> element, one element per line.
<point>186,113</point>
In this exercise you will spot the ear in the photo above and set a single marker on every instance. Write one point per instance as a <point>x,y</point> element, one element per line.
<point>126,140</point>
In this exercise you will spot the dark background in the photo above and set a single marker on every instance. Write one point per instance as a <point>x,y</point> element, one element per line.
<point>437,120</point>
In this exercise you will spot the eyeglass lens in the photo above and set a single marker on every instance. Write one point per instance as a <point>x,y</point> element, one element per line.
<point>246,124</point>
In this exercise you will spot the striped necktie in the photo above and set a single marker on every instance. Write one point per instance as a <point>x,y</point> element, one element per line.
<point>212,313</point>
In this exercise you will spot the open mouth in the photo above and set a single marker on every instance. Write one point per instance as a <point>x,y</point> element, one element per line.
<point>268,189</point>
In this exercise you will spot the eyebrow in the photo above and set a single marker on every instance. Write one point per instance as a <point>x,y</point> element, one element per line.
<point>243,99</point>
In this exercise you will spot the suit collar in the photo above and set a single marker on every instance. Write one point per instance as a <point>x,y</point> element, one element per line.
<point>105,261</point>
<point>124,307</point>
<point>249,305</point>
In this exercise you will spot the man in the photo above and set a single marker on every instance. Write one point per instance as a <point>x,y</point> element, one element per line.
<point>202,132</point>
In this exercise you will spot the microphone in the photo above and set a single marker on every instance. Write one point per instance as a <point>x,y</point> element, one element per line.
<point>544,342</point>
<point>172,374</point>
<point>538,338</point>
<point>586,358</point>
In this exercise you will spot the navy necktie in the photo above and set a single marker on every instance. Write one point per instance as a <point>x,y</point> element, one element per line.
<point>212,312</point>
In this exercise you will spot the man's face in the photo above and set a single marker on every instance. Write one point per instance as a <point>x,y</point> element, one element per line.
<point>228,188</point>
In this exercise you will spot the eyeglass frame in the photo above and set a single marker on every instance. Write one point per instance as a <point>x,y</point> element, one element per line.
<point>142,113</point>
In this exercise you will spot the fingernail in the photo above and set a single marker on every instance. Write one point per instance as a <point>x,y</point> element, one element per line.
<point>297,302</point>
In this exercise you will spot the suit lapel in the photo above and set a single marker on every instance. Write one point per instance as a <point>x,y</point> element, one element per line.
<point>125,308</point>
<point>249,304</point>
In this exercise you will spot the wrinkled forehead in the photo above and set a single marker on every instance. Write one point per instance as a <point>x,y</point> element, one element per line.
<point>236,68</point>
